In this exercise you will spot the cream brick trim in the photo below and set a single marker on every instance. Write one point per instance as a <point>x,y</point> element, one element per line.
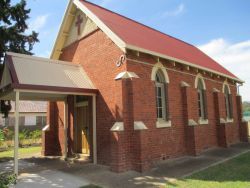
<point>46,128</point>
<point>139,125</point>
<point>163,124</point>
<point>203,121</point>
<point>230,120</point>
<point>215,90</point>
<point>184,84</point>
<point>224,85</point>
<point>199,76</point>
<point>222,120</point>
<point>191,122</point>
<point>117,127</point>
<point>156,67</point>
<point>125,75</point>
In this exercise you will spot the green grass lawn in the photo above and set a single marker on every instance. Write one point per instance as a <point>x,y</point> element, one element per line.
<point>23,152</point>
<point>234,173</point>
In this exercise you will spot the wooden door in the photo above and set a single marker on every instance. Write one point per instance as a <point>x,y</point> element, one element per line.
<point>83,129</point>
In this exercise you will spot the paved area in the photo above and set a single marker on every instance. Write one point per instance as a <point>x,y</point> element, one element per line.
<point>50,178</point>
<point>37,172</point>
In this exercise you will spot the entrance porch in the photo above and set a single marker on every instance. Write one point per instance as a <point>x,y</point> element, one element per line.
<point>61,84</point>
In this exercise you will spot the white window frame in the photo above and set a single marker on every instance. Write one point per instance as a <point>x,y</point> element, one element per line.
<point>161,122</point>
<point>227,106</point>
<point>163,101</point>
<point>202,120</point>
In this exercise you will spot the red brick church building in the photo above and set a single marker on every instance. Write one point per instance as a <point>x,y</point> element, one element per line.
<point>157,97</point>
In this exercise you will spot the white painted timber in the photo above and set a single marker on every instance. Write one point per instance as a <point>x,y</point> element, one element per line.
<point>16,142</point>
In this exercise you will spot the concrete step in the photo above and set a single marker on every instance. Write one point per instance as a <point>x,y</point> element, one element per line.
<point>79,158</point>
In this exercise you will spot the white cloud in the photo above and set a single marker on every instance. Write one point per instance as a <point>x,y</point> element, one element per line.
<point>179,10</point>
<point>38,23</point>
<point>235,57</point>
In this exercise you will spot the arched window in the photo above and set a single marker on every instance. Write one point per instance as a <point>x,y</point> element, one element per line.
<point>161,88</point>
<point>228,102</point>
<point>202,101</point>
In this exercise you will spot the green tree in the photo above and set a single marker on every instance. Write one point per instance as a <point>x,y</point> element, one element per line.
<point>12,29</point>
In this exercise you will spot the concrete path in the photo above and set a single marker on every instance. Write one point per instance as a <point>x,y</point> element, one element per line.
<point>50,178</point>
<point>57,173</point>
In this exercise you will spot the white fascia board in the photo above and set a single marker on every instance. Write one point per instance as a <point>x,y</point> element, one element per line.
<point>63,22</point>
<point>53,92</point>
<point>115,38</point>
<point>131,47</point>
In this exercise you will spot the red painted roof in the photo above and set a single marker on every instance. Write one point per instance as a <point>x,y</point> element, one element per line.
<point>139,35</point>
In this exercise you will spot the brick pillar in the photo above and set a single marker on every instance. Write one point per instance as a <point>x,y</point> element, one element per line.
<point>121,139</point>
<point>50,142</point>
<point>190,114</point>
<point>243,126</point>
<point>70,125</point>
<point>222,127</point>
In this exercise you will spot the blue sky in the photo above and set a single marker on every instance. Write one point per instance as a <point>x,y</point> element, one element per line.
<point>219,28</point>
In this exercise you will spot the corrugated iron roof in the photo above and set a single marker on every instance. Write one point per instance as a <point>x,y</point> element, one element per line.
<point>30,107</point>
<point>144,37</point>
<point>35,73</point>
<point>42,71</point>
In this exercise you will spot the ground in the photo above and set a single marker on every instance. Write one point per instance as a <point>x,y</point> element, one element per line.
<point>23,153</point>
<point>55,172</point>
<point>232,173</point>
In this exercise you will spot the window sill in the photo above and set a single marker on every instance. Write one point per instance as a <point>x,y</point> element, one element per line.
<point>230,120</point>
<point>203,121</point>
<point>163,124</point>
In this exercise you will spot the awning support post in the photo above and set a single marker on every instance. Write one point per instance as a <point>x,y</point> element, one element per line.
<point>16,141</point>
<point>65,129</point>
<point>94,130</point>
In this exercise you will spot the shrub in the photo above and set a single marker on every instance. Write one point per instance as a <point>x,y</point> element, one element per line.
<point>1,137</point>
<point>8,133</point>
<point>24,134</point>
<point>36,135</point>
<point>7,179</point>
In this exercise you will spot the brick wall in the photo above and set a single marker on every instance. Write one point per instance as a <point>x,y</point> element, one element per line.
<point>162,143</point>
<point>134,100</point>
<point>98,54</point>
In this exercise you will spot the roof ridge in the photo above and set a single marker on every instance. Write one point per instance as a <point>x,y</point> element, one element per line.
<point>144,25</point>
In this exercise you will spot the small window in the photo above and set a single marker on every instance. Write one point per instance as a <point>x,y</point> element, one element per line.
<point>228,102</point>
<point>30,121</point>
<point>161,96</point>
<point>201,100</point>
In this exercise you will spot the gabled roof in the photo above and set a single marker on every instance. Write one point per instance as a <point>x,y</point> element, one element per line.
<point>35,73</point>
<point>129,34</point>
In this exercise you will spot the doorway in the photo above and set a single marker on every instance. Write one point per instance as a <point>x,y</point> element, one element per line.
<point>82,126</point>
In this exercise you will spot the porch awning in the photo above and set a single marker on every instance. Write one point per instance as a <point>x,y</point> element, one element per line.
<point>42,79</point>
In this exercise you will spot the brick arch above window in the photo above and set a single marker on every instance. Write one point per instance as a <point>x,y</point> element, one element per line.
<point>199,77</point>
<point>225,84</point>
<point>159,66</point>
